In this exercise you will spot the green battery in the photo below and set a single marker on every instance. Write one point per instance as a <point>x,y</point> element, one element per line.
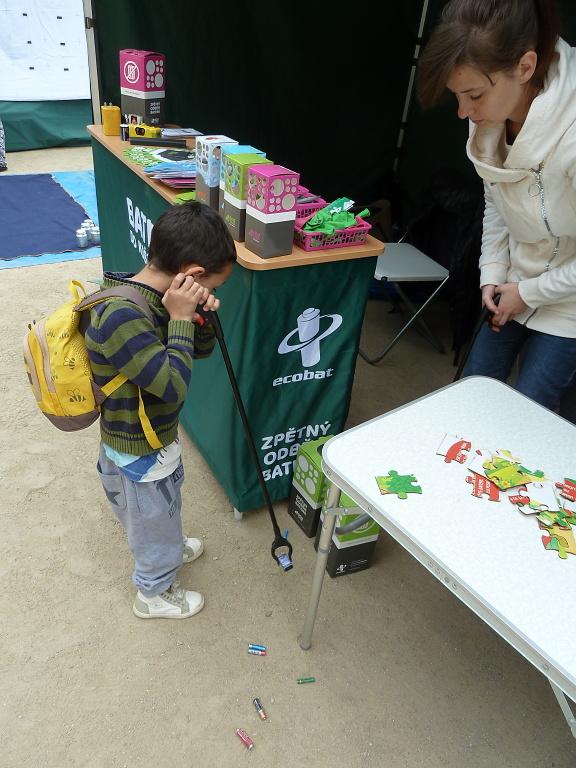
<point>306,680</point>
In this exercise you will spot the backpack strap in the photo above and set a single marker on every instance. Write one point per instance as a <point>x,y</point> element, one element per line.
<point>134,295</point>
<point>118,292</point>
<point>151,436</point>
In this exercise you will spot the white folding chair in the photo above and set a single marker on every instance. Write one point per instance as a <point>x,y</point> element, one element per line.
<point>403,263</point>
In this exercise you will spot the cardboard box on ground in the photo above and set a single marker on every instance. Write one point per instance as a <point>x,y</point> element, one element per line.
<point>349,552</point>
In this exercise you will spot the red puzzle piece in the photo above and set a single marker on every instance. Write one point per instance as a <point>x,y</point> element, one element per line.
<point>519,498</point>
<point>567,489</point>
<point>456,452</point>
<point>481,486</point>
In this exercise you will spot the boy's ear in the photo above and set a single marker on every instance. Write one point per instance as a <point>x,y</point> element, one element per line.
<point>194,271</point>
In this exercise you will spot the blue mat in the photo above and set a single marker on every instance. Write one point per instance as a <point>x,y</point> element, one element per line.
<point>74,194</point>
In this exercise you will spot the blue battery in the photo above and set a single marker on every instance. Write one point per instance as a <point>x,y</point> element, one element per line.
<point>284,562</point>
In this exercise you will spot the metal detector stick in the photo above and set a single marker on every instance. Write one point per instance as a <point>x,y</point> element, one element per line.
<point>482,318</point>
<point>284,560</point>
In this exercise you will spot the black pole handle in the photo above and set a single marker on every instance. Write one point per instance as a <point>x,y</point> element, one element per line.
<point>482,318</point>
<point>284,559</point>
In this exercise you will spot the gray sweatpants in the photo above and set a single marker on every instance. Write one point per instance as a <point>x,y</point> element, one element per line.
<point>151,515</point>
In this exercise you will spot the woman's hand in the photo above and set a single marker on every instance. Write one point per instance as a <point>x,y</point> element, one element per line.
<point>510,304</point>
<point>488,292</point>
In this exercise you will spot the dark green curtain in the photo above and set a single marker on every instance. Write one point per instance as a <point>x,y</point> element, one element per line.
<point>319,90</point>
<point>41,124</point>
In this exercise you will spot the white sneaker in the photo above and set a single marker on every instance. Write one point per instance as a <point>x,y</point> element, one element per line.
<point>193,548</point>
<point>174,603</point>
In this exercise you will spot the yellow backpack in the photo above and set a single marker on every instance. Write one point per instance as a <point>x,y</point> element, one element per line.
<point>58,367</point>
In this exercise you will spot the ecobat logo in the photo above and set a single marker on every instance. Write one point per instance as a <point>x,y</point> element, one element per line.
<point>306,338</point>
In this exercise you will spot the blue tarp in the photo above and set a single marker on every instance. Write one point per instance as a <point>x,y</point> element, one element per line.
<point>78,185</point>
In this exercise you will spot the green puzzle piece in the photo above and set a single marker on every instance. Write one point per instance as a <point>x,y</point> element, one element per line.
<point>507,474</point>
<point>401,485</point>
<point>561,518</point>
<point>556,545</point>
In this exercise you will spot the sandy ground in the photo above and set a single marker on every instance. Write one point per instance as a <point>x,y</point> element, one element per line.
<point>406,675</point>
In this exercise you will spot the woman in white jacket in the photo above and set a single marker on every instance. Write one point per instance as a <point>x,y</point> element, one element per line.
<point>514,79</point>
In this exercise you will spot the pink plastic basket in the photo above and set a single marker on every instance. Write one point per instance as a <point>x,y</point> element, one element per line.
<point>307,209</point>
<point>341,238</point>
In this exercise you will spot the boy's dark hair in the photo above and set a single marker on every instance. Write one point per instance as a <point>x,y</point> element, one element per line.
<point>192,233</point>
<point>489,35</point>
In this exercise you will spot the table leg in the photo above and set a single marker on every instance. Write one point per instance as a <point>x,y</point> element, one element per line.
<point>565,707</point>
<point>324,543</point>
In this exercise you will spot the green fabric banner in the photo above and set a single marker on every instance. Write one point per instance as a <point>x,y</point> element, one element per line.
<point>40,124</point>
<point>127,208</point>
<point>292,335</point>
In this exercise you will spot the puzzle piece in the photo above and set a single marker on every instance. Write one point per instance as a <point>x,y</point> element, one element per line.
<point>499,458</point>
<point>559,539</point>
<point>556,544</point>
<point>542,495</point>
<point>503,454</point>
<point>476,463</point>
<point>563,518</point>
<point>482,486</point>
<point>567,535</point>
<point>454,448</point>
<point>398,484</point>
<point>536,497</point>
<point>507,474</point>
<point>496,462</point>
<point>522,501</point>
<point>567,489</point>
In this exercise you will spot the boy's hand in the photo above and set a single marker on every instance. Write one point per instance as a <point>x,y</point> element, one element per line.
<point>211,304</point>
<point>183,296</point>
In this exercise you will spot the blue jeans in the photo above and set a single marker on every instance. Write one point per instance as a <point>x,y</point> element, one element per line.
<point>548,363</point>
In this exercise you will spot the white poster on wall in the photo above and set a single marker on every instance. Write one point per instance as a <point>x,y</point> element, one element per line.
<point>43,55</point>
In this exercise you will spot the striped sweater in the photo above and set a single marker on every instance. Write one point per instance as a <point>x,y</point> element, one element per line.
<point>155,357</point>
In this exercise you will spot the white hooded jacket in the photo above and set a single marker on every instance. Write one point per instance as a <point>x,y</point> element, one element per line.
<point>529,234</point>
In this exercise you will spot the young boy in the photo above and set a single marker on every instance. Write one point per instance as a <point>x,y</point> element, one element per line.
<point>191,253</point>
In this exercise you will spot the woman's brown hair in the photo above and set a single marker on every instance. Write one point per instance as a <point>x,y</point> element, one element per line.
<point>489,35</point>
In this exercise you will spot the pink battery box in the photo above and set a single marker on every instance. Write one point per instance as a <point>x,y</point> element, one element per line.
<point>142,84</point>
<point>272,189</point>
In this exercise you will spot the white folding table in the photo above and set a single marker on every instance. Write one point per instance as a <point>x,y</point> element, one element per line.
<point>499,568</point>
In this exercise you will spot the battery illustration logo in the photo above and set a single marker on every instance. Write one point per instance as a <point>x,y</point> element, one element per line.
<point>309,336</point>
